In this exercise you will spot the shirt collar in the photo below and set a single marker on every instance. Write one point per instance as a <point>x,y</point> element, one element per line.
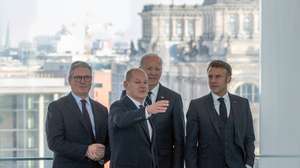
<point>137,103</point>
<point>154,91</point>
<point>215,97</point>
<point>77,98</point>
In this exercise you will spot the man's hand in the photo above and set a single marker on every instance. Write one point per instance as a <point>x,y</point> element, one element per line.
<point>158,107</point>
<point>95,151</point>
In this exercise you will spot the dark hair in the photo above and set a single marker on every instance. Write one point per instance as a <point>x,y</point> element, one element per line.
<point>220,64</point>
<point>142,62</point>
<point>78,64</point>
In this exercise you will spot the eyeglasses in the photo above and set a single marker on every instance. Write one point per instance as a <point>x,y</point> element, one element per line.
<point>86,78</point>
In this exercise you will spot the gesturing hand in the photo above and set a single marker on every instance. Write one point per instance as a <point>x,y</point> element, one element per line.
<point>158,107</point>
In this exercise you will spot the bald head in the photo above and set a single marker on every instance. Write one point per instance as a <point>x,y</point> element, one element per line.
<point>136,84</point>
<point>150,57</point>
<point>130,73</point>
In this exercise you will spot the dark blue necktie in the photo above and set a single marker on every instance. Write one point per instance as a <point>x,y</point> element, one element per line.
<point>222,109</point>
<point>148,99</point>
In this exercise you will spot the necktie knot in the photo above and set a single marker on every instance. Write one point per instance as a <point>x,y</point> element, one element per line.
<point>221,99</point>
<point>83,101</point>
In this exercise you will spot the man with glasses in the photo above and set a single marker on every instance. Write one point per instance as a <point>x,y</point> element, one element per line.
<point>76,125</point>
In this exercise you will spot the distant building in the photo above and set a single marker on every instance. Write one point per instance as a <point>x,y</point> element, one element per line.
<point>25,93</point>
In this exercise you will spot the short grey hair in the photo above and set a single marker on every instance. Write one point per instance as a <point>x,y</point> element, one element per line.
<point>150,55</point>
<point>78,64</point>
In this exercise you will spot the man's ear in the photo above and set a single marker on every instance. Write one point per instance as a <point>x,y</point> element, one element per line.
<point>125,84</point>
<point>228,79</point>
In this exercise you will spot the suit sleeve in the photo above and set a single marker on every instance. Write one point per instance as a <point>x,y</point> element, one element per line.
<point>178,132</point>
<point>55,132</point>
<point>122,117</point>
<point>249,139</point>
<point>192,129</point>
<point>107,148</point>
<point>106,142</point>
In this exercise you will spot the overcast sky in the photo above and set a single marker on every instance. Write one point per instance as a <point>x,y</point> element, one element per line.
<point>29,18</point>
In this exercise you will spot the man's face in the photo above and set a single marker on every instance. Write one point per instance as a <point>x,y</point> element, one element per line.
<point>218,80</point>
<point>152,66</point>
<point>80,81</point>
<point>137,86</point>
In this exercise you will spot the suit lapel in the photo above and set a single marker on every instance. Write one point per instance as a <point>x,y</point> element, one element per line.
<point>160,93</point>
<point>77,113</point>
<point>213,116</point>
<point>234,109</point>
<point>143,125</point>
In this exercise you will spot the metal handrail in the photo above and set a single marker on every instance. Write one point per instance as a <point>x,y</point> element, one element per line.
<point>51,158</point>
<point>24,158</point>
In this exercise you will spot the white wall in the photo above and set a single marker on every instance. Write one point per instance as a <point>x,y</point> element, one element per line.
<point>280,83</point>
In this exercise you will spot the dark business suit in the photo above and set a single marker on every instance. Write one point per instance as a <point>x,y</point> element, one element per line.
<point>169,129</point>
<point>68,136</point>
<point>131,146</point>
<point>206,147</point>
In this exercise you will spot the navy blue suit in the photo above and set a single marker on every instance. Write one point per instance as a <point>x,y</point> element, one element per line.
<point>206,147</point>
<point>169,129</point>
<point>68,136</point>
<point>131,146</point>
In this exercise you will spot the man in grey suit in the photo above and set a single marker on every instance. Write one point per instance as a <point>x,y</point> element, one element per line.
<point>132,137</point>
<point>219,125</point>
<point>76,125</point>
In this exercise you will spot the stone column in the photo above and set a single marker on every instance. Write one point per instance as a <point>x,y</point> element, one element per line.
<point>41,130</point>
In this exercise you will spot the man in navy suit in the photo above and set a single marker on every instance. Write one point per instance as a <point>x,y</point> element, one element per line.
<point>77,126</point>
<point>219,125</point>
<point>132,136</point>
<point>169,125</point>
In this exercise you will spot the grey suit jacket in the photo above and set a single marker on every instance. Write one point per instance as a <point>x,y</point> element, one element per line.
<point>203,137</point>
<point>68,136</point>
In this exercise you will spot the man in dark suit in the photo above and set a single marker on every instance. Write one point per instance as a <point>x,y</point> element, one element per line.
<point>132,137</point>
<point>169,125</point>
<point>219,125</point>
<point>76,125</point>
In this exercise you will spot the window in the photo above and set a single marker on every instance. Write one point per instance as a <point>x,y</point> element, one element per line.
<point>249,91</point>
<point>93,31</point>
<point>191,28</point>
<point>167,27</point>
<point>248,25</point>
<point>233,25</point>
<point>179,28</point>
